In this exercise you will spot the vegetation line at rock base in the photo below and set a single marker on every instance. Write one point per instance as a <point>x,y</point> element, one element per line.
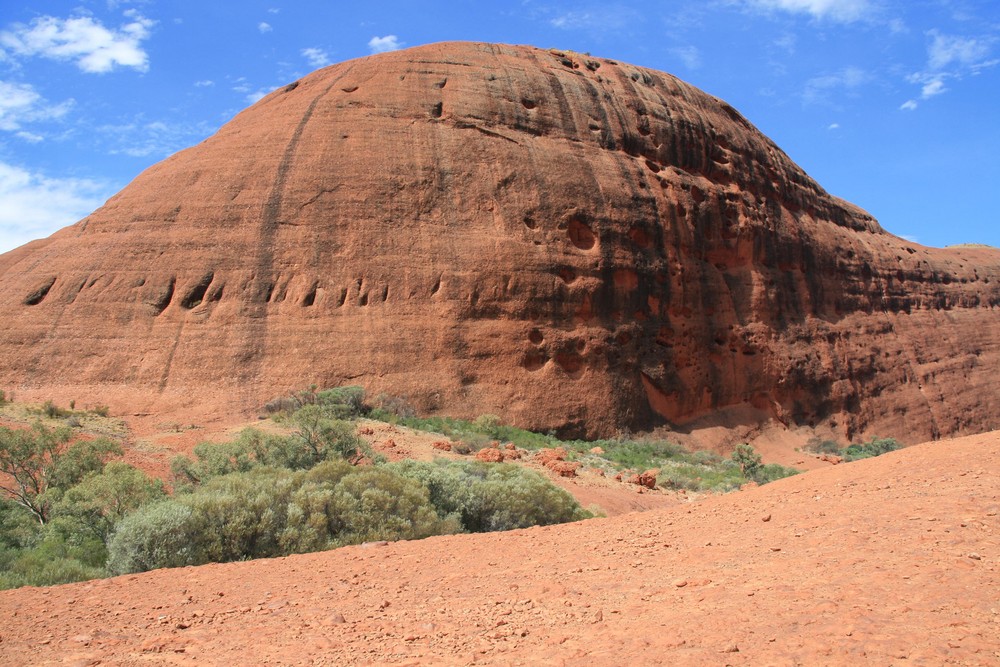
<point>71,511</point>
<point>261,495</point>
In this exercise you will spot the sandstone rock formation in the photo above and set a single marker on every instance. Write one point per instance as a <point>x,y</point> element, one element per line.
<point>568,241</point>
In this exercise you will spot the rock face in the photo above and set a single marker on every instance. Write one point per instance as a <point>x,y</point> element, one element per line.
<point>567,241</point>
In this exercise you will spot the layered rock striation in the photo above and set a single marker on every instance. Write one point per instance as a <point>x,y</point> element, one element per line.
<point>570,242</point>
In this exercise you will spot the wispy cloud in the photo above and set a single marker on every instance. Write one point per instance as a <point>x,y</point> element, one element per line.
<point>383,44</point>
<point>949,57</point>
<point>205,83</point>
<point>824,89</point>
<point>932,88</point>
<point>83,40</point>
<point>251,94</point>
<point>35,205</point>
<point>21,104</point>
<point>596,17</point>
<point>843,11</point>
<point>689,55</point>
<point>786,43</point>
<point>258,95</point>
<point>316,57</point>
<point>152,138</point>
<point>264,27</point>
<point>946,50</point>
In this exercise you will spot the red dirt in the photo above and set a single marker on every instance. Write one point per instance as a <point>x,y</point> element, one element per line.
<point>892,560</point>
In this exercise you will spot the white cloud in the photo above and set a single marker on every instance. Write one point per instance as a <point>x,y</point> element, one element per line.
<point>316,57</point>
<point>949,57</point>
<point>258,95</point>
<point>845,11</point>
<point>786,43</point>
<point>933,87</point>
<point>264,27</point>
<point>689,55</point>
<point>143,138</point>
<point>897,26</point>
<point>833,126</point>
<point>383,44</point>
<point>946,50</point>
<point>206,83</point>
<point>20,103</point>
<point>35,205</point>
<point>908,105</point>
<point>83,40</point>
<point>821,89</point>
<point>596,18</point>
<point>30,137</point>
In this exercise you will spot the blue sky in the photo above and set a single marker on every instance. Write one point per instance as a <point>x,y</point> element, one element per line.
<point>891,104</point>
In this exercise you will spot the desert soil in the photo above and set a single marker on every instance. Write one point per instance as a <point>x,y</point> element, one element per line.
<point>890,561</point>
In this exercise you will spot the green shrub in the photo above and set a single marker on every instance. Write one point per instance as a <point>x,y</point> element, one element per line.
<point>343,402</point>
<point>158,535</point>
<point>491,497</point>
<point>212,460</point>
<point>38,568</point>
<point>272,512</point>
<point>317,439</point>
<point>820,446</point>
<point>376,503</point>
<point>103,499</point>
<point>640,454</point>
<point>240,516</point>
<point>874,447</point>
<point>771,472</point>
<point>747,458</point>
<point>323,438</point>
<point>53,411</point>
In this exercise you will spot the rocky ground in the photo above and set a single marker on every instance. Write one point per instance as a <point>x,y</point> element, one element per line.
<point>885,561</point>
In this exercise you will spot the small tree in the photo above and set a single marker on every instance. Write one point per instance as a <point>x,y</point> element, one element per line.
<point>40,464</point>
<point>747,458</point>
<point>325,438</point>
<point>103,499</point>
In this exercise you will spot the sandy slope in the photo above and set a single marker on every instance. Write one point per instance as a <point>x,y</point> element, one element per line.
<point>887,561</point>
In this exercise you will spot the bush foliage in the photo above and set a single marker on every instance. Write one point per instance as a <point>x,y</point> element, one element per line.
<point>70,514</point>
<point>874,447</point>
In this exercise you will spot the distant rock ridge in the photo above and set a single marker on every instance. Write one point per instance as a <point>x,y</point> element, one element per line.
<point>573,243</point>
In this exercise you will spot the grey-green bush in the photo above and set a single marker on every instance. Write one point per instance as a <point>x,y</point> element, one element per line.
<point>272,512</point>
<point>492,497</point>
<point>158,535</point>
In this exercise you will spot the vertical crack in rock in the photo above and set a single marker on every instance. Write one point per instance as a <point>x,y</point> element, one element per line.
<point>255,328</point>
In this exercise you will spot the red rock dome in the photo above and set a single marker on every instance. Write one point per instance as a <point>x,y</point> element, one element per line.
<point>568,241</point>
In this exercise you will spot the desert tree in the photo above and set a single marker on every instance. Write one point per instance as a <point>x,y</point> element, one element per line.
<point>39,464</point>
